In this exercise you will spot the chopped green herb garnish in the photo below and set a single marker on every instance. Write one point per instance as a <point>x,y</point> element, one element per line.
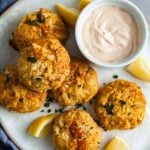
<point>129,113</point>
<point>104,83</point>
<point>42,110</point>
<point>38,79</point>
<point>115,76</point>
<point>56,110</point>
<point>47,104</point>
<point>122,102</point>
<point>31,59</point>
<point>98,142</point>
<point>49,99</point>
<point>79,105</point>
<point>71,77</point>
<point>91,127</point>
<point>109,108</point>
<point>40,18</point>
<point>32,22</point>
<point>21,100</point>
<point>49,110</point>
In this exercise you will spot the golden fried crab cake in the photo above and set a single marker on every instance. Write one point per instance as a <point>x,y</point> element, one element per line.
<point>38,25</point>
<point>44,65</point>
<point>120,105</point>
<point>15,96</point>
<point>75,130</point>
<point>79,87</point>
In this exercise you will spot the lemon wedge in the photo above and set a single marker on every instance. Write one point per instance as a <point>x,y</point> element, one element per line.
<point>69,15</point>
<point>84,3</point>
<point>140,69</point>
<point>40,127</point>
<point>117,144</point>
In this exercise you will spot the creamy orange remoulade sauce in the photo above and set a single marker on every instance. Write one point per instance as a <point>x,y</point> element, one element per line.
<point>110,34</point>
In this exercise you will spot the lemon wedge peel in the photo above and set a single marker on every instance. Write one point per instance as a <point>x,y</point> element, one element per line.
<point>69,15</point>
<point>83,4</point>
<point>40,127</point>
<point>140,69</point>
<point>117,144</point>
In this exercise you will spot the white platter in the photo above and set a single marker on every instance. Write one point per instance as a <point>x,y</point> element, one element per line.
<point>16,124</point>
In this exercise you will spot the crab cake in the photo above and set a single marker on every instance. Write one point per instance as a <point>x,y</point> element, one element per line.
<point>120,105</point>
<point>75,130</point>
<point>38,25</point>
<point>43,65</point>
<point>79,87</point>
<point>15,96</point>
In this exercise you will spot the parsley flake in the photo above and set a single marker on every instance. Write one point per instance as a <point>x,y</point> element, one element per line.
<point>122,102</point>
<point>115,76</point>
<point>38,79</point>
<point>109,108</point>
<point>31,59</point>
<point>31,22</point>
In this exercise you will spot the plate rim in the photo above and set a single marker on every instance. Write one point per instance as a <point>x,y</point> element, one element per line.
<point>10,8</point>
<point>17,144</point>
<point>11,137</point>
<point>1,121</point>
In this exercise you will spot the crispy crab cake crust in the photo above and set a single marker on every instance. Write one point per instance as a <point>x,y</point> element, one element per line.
<point>79,87</point>
<point>76,130</point>
<point>15,96</point>
<point>44,65</point>
<point>38,25</point>
<point>120,105</point>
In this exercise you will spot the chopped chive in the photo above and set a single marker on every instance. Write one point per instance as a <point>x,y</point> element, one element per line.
<point>79,105</point>
<point>49,110</point>
<point>98,142</point>
<point>129,113</point>
<point>71,77</point>
<point>47,104</point>
<point>122,102</point>
<point>49,99</point>
<point>32,22</point>
<point>109,108</point>
<point>38,79</point>
<point>40,18</point>
<point>42,110</point>
<point>115,76</point>
<point>31,59</point>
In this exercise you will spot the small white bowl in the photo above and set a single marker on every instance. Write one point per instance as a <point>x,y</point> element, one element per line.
<point>133,10</point>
